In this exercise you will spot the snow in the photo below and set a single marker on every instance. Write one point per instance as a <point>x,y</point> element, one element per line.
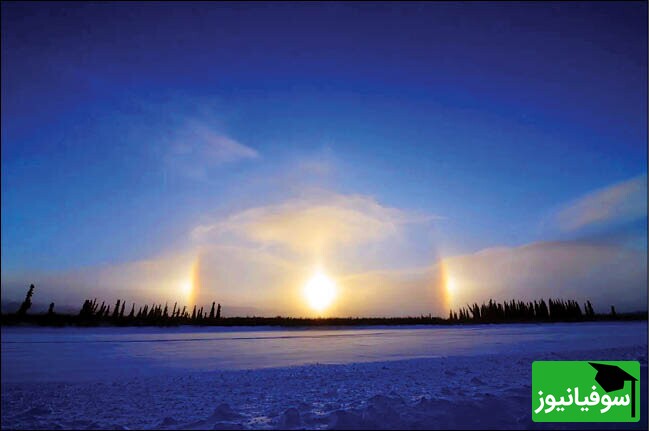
<point>211,378</point>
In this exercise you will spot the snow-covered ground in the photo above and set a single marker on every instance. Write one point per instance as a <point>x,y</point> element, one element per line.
<point>211,378</point>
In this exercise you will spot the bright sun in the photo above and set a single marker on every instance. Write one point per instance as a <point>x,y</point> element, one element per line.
<point>319,291</point>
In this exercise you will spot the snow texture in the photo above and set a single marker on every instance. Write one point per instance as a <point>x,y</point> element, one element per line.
<point>454,387</point>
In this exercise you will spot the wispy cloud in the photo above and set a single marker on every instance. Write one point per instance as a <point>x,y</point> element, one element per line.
<point>315,224</point>
<point>196,148</point>
<point>622,202</point>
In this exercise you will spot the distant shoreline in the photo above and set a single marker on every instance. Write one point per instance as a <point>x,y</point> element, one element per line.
<point>64,320</point>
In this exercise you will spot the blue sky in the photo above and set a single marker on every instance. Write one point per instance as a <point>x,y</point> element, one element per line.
<point>127,126</point>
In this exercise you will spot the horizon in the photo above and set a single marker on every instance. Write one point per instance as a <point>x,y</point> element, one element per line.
<point>323,160</point>
<point>38,308</point>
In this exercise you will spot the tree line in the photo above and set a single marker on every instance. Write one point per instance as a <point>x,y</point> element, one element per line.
<point>520,311</point>
<point>92,312</point>
<point>156,314</point>
<point>120,313</point>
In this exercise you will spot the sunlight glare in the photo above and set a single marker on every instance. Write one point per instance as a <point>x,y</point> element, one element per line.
<point>186,288</point>
<point>451,286</point>
<point>319,291</point>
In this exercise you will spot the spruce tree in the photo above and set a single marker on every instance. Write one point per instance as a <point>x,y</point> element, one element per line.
<point>27,303</point>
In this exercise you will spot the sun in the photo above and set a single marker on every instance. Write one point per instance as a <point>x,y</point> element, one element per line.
<point>319,291</point>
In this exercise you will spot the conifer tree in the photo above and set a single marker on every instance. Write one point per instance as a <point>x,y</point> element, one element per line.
<point>27,303</point>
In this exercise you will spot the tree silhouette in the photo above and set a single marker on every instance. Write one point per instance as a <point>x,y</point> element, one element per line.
<point>27,303</point>
<point>519,311</point>
<point>588,310</point>
<point>116,310</point>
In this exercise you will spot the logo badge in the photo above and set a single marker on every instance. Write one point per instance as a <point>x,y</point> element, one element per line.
<point>585,391</point>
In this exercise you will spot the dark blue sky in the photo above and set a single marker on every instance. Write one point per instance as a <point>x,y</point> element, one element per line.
<point>492,116</point>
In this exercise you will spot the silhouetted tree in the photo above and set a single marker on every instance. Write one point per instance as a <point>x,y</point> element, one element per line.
<point>86,309</point>
<point>50,311</point>
<point>27,303</point>
<point>212,311</point>
<point>218,311</point>
<point>492,311</point>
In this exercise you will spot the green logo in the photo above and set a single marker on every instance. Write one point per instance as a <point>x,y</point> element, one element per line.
<point>585,391</point>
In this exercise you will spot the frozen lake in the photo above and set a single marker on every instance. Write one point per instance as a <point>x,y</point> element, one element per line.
<point>76,354</point>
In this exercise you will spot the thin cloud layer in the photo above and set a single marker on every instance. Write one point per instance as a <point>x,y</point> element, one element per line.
<point>197,148</point>
<point>313,225</point>
<point>244,276</point>
<point>158,278</point>
<point>262,257</point>
<point>618,203</point>
<point>607,274</point>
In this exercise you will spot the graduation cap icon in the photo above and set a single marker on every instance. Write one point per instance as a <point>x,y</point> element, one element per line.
<point>612,378</point>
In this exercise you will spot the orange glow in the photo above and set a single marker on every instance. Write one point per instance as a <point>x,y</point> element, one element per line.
<point>191,287</point>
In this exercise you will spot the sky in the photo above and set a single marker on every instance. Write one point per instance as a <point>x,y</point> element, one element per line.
<point>420,155</point>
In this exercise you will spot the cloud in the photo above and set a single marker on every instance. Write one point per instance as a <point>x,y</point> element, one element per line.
<point>314,225</point>
<point>402,292</point>
<point>156,278</point>
<point>262,256</point>
<point>245,276</point>
<point>197,148</point>
<point>607,274</point>
<point>622,202</point>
